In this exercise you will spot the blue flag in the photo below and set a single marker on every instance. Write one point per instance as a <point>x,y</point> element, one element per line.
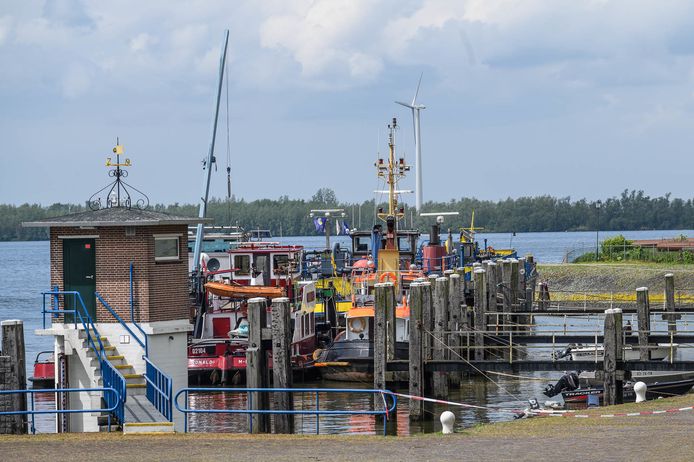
<point>319,222</point>
<point>345,228</point>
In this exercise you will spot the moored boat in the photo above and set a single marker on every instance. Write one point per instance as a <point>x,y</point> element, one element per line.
<point>44,370</point>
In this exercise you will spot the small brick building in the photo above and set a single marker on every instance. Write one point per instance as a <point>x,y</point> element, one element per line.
<point>137,262</point>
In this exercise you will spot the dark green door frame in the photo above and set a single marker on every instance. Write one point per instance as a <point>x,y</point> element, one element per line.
<point>79,274</point>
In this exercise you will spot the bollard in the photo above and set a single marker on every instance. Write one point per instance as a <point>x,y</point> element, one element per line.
<point>447,420</point>
<point>640,389</point>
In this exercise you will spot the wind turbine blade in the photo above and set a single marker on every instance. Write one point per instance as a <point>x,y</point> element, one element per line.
<point>404,104</point>
<point>416,93</point>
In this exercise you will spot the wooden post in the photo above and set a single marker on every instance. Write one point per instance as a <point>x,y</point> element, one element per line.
<point>670,314</point>
<point>13,347</point>
<point>454,325</point>
<point>530,279</point>
<point>391,319</point>
<point>282,364</point>
<point>428,317</point>
<point>440,381</point>
<point>643,314</point>
<point>380,334</point>
<point>515,284</point>
<point>480,310</point>
<point>256,365</point>
<point>612,378</point>
<point>492,286</point>
<point>416,379</point>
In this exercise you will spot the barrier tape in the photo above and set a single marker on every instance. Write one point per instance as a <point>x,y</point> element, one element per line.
<point>452,403</point>
<point>555,413</point>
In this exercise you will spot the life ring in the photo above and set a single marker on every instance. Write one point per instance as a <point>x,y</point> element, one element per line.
<point>388,274</point>
<point>356,325</point>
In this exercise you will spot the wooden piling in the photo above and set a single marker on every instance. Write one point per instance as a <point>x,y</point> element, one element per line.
<point>440,379</point>
<point>15,375</point>
<point>428,317</point>
<point>643,314</point>
<point>256,365</point>
<point>613,378</point>
<point>670,314</point>
<point>492,287</point>
<point>416,362</point>
<point>281,364</point>
<point>454,325</point>
<point>515,285</point>
<point>380,334</point>
<point>480,310</point>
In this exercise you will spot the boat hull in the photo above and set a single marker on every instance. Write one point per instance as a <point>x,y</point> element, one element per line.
<point>352,360</point>
<point>655,390</point>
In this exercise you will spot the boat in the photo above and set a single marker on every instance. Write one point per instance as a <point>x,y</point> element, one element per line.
<point>217,348</point>
<point>581,352</point>
<point>44,370</point>
<point>587,378</point>
<point>660,385</point>
<point>349,357</point>
<point>216,242</point>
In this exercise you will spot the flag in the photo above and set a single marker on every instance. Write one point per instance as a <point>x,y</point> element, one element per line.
<point>345,228</point>
<point>319,222</point>
<point>337,227</point>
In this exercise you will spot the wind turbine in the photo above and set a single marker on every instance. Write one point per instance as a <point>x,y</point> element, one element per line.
<point>417,144</point>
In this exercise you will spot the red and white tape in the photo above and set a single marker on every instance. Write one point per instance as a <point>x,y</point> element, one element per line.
<point>452,403</point>
<point>549,413</point>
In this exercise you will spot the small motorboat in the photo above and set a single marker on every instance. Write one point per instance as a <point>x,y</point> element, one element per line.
<point>631,353</point>
<point>572,391</point>
<point>44,370</point>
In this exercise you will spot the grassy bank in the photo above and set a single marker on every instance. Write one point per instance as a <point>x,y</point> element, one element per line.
<point>614,277</point>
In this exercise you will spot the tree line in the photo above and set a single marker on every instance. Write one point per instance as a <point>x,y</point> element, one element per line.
<point>632,210</point>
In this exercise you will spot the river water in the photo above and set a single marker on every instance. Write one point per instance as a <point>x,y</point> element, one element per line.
<point>24,274</point>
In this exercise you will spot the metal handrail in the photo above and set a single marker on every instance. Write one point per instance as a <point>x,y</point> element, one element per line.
<point>317,411</point>
<point>159,389</point>
<point>32,412</point>
<point>159,385</point>
<point>142,343</point>
<point>111,376</point>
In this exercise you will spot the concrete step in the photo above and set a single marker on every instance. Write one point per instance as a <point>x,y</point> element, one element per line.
<point>142,417</point>
<point>148,428</point>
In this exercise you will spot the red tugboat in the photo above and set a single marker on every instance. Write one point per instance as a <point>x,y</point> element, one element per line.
<point>44,371</point>
<point>217,349</point>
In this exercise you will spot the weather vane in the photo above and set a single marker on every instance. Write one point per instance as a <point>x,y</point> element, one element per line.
<point>118,191</point>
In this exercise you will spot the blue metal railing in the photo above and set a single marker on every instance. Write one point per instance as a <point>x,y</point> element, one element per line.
<point>107,391</point>
<point>159,389</point>
<point>317,411</point>
<point>159,385</point>
<point>112,378</point>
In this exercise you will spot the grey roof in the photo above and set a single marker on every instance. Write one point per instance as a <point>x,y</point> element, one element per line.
<point>116,216</point>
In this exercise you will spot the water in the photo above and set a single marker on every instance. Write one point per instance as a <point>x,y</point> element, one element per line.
<point>24,274</point>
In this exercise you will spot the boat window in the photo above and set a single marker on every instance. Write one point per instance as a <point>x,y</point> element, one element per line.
<point>362,243</point>
<point>280,263</point>
<point>243,264</point>
<point>404,244</point>
<point>165,248</point>
<point>313,322</point>
<point>306,326</point>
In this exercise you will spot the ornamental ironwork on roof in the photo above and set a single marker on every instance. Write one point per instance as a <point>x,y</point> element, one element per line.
<point>118,193</point>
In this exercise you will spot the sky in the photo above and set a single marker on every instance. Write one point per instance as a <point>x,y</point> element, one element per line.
<point>523,97</point>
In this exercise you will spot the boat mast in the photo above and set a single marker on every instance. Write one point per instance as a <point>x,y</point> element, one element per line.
<point>207,165</point>
<point>392,172</point>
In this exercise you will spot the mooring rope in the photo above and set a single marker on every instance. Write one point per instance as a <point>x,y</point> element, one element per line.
<point>474,367</point>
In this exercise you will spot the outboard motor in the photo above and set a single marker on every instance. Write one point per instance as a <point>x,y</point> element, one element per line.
<point>562,354</point>
<point>568,382</point>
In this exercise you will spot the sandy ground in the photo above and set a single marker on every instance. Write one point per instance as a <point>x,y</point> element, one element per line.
<point>661,437</point>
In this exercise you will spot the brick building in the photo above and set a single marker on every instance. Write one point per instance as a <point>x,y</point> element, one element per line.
<point>135,262</point>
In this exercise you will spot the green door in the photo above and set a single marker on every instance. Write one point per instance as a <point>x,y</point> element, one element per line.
<point>79,274</point>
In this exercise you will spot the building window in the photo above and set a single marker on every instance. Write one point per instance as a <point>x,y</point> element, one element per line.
<point>166,248</point>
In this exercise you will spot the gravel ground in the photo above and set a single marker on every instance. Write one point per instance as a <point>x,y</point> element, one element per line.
<point>661,437</point>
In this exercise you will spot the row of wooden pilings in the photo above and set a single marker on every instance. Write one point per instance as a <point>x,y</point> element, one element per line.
<point>442,326</point>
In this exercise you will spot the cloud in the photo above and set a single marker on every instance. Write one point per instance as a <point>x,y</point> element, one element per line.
<point>76,81</point>
<point>5,28</point>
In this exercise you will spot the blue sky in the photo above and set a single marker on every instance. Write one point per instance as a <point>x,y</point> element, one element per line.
<point>568,98</point>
